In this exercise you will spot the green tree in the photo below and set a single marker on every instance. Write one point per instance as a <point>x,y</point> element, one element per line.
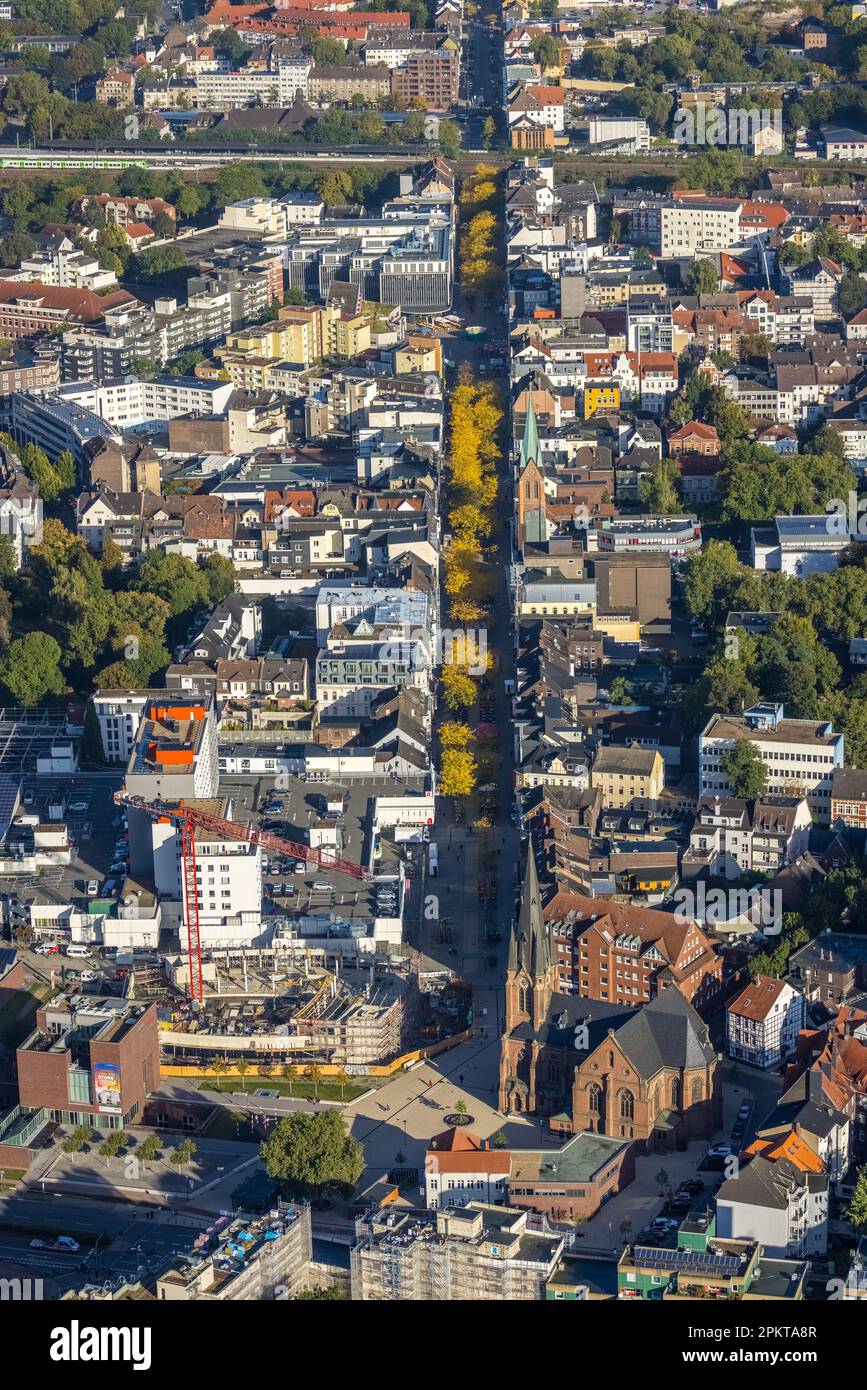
<point>328,53</point>
<point>180,582</point>
<point>489,132</point>
<point>856,1212</point>
<point>659,490</point>
<point>313,1154</point>
<point>702,277</point>
<point>744,769</point>
<point>450,139</point>
<point>30,670</point>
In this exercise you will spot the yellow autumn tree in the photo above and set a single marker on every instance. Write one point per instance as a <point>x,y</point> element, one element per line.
<point>454,734</point>
<point>459,689</point>
<point>457,773</point>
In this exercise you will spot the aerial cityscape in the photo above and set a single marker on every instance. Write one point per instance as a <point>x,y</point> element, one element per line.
<point>433,658</point>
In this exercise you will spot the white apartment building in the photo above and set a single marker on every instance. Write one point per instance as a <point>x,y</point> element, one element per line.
<point>65,266</point>
<point>775,1203</point>
<point>731,837</point>
<point>763,1022</point>
<point>173,758</point>
<point>252,87</point>
<point>688,227</point>
<point>119,713</point>
<point>800,755</point>
<point>131,401</point>
<point>783,319</point>
<point>228,884</point>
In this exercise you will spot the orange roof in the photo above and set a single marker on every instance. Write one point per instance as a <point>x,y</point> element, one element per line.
<point>486,1161</point>
<point>454,1139</point>
<point>792,1147</point>
<point>694,427</point>
<point>757,1000</point>
<point>766,214</point>
<point>549,96</point>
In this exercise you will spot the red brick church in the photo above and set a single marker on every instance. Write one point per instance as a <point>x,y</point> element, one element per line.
<point>648,1074</point>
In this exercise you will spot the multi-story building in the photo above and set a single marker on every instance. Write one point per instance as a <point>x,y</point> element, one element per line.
<point>121,210</point>
<point>800,755</point>
<point>731,837</point>
<point>115,88</point>
<point>849,798</point>
<point>348,682</point>
<point>674,536</point>
<point>831,968</point>
<point>173,758</point>
<point>90,1060</point>
<point>265,1258</point>
<point>627,954</point>
<point>29,309</point>
<point>61,263</point>
<point>429,76</point>
<point>343,83</point>
<point>628,777</point>
<point>459,1168</point>
<point>782,1204</point>
<point>118,715</point>
<point>691,226</point>
<point>763,1022</point>
<point>476,1252</point>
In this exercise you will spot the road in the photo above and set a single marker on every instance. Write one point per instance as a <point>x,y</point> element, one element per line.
<point>481,76</point>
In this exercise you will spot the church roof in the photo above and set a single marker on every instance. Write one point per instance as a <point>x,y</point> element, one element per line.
<point>530,443</point>
<point>666,1032</point>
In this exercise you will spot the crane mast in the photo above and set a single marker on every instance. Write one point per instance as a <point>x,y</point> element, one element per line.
<point>188,820</point>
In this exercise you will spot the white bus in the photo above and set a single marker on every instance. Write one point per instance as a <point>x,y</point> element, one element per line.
<point>432,860</point>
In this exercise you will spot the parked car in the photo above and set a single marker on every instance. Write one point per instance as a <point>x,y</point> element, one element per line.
<point>88,976</point>
<point>744,1112</point>
<point>29,797</point>
<point>91,888</point>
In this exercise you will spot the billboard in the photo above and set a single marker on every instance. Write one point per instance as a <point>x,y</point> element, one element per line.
<point>106,1085</point>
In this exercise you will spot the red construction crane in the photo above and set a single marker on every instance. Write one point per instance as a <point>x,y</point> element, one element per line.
<point>189,819</point>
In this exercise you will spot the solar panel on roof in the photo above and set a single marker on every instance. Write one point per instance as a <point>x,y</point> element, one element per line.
<point>9,788</point>
<point>692,1261</point>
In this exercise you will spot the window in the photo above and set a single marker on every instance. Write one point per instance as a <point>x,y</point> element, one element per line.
<point>595,1099</point>
<point>627,1105</point>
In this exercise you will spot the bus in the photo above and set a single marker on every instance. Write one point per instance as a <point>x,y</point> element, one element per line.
<point>432,860</point>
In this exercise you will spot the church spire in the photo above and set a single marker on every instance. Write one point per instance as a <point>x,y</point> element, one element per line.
<point>532,932</point>
<point>530,442</point>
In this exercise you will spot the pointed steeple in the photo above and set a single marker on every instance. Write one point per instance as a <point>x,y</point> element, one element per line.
<point>532,932</point>
<point>530,442</point>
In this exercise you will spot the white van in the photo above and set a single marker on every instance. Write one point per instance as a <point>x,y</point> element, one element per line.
<point>78,952</point>
<point>26,820</point>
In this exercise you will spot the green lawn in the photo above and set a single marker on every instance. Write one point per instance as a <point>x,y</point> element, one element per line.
<point>229,1124</point>
<point>302,1089</point>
